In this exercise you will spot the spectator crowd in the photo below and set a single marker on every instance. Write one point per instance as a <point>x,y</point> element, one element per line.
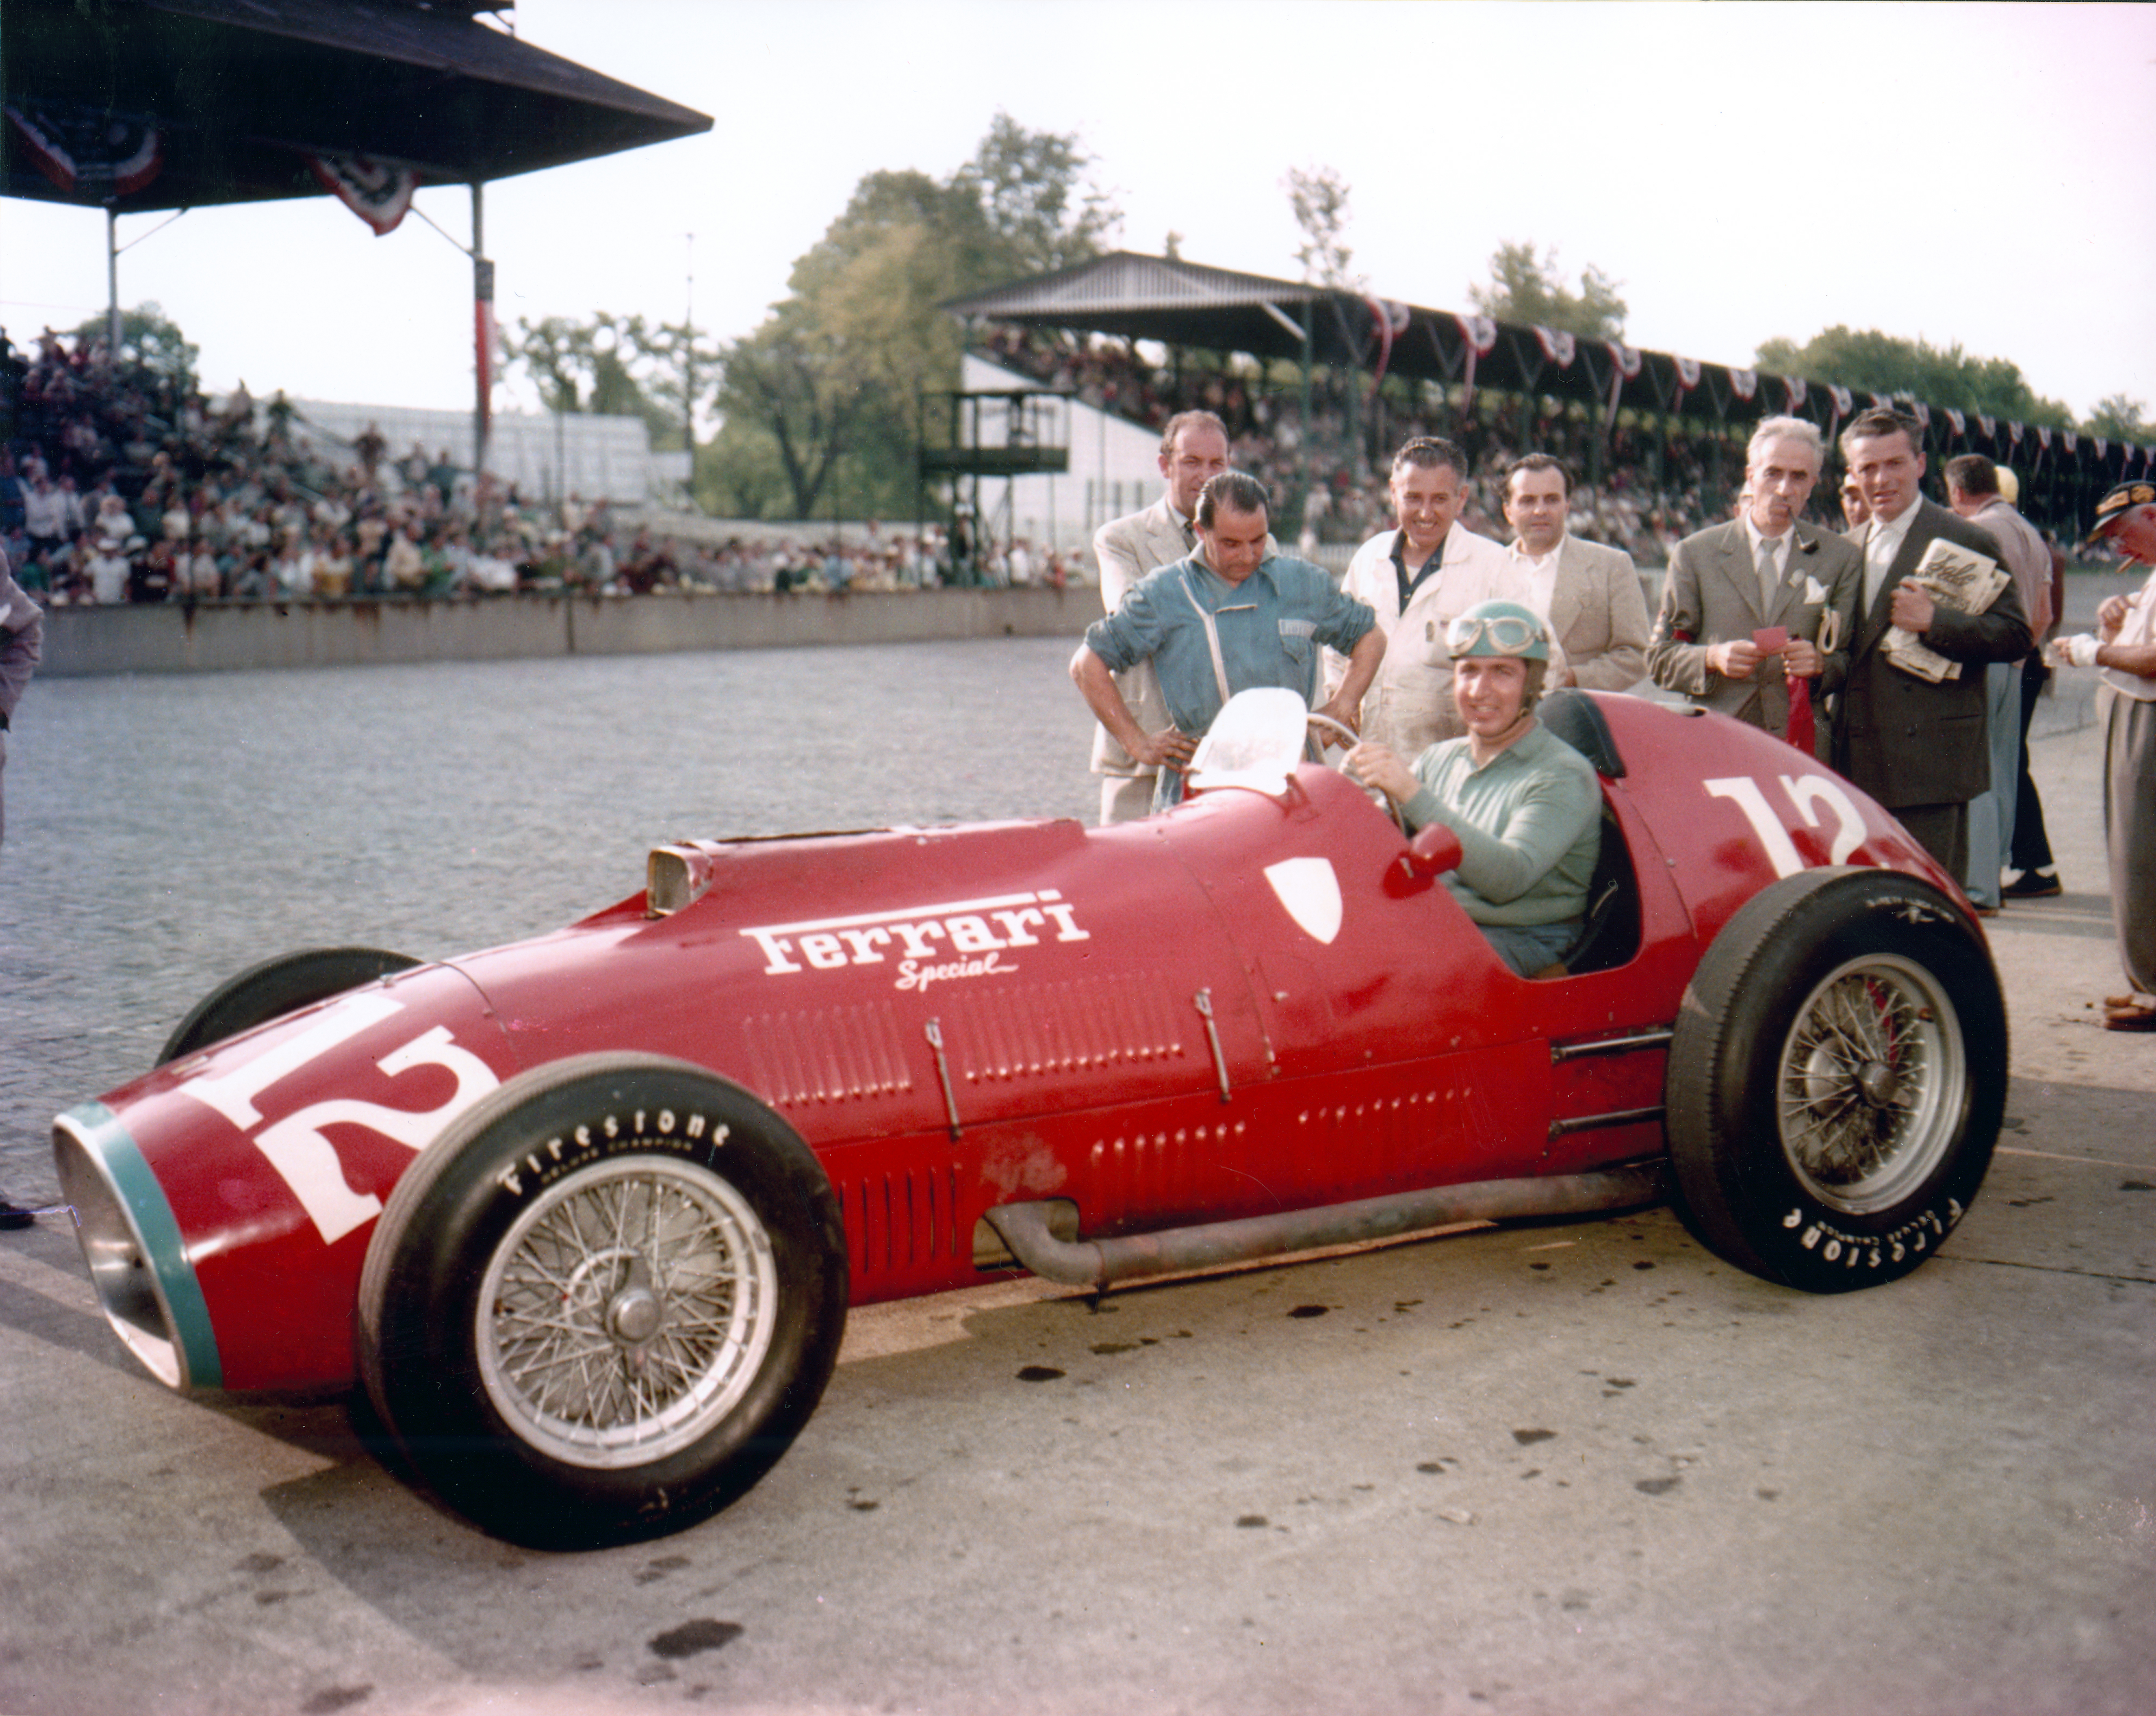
<point>124,485</point>
<point>1319,494</point>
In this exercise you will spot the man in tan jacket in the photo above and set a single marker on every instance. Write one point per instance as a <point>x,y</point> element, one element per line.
<point>1589,594</point>
<point>1193,449</point>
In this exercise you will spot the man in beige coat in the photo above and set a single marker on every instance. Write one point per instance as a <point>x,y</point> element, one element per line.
<point>1193,449</point>
<point>1589,594</point>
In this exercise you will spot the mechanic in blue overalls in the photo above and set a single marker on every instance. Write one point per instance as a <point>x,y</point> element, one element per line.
<point>1526,806</point>
<point>1225,619</point>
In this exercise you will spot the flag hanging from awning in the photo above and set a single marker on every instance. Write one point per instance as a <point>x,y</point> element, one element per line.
<point>91,154</point>
<point>377,193</point>
<point>1388,317</point>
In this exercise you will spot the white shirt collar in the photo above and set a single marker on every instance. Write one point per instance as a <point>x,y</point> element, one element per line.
<point>1519,550</point>
<point>1781,543</point>
<point>1887,538</point>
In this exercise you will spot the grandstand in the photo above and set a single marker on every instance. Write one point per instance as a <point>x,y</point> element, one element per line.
<point>1318,386</point>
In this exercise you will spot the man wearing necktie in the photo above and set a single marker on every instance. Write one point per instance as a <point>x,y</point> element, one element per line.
<point>1765,572</point>
<point>1921,748</point>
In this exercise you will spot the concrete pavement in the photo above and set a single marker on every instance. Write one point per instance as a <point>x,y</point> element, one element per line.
<point>1575,1469</point>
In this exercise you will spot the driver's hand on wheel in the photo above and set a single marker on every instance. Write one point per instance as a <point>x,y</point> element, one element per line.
<point>1374,766</point>
<point>1343,714</point>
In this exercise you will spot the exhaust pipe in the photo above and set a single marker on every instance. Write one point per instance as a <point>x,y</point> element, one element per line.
<point>1025,1228</point>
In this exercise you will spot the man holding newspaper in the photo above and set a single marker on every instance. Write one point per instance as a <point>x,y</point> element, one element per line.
<point>1934,605</point>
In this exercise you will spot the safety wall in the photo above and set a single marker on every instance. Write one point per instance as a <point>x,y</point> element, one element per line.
<point>212,636</point>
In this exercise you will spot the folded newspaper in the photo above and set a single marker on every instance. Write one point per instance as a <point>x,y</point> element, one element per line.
<point>1955,577</point>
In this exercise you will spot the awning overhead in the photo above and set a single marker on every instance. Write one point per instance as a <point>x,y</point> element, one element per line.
<point>196,102</point>
<point>1182,303</point>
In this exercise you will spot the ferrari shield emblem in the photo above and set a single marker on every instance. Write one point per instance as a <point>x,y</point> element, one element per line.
<point>1311,892</point>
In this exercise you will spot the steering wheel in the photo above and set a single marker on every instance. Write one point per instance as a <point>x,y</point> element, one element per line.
<point>1377,794</point>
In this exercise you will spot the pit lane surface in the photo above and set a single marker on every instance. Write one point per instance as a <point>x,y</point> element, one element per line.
<point>1580,1468</point>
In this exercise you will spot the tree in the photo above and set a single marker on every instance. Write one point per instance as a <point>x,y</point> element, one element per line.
<point>678,371</point>
<point>149,340</point>
<point>826,393</point>
<point>1527,288</point>
<point>2119,418</point>
<point>615,366</point>
<point>1319,198</point>
<point>1874,363</point>
<point>1041,210</point>
<point>786,382</point>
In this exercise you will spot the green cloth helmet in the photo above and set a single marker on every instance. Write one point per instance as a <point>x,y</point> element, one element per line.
<point>1499,628</point>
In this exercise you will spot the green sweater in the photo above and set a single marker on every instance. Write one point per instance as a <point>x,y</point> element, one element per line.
<point>1529,823</point>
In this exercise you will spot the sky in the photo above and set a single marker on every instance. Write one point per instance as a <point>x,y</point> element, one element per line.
<point>1975,175</point>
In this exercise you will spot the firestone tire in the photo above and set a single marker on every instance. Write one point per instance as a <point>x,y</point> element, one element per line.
<point>1836,1080</point>
<point>283,985</point>
<point>603,1303</point>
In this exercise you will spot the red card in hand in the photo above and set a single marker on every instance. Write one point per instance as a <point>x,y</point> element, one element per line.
<point>1771,640</point>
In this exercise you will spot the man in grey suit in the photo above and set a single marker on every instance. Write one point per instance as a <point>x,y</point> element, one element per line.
<point>1766,569</point>
<point>21,643</point>
<point>22,639</point>
<point>1589,594</point>
<point>1193,450</point>
<point>1919,747</point>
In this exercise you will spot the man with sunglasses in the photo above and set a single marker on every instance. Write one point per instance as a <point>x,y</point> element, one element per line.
<point>1526,806</point>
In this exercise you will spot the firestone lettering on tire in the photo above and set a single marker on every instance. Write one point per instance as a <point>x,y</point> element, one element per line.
<point>667,1124</point>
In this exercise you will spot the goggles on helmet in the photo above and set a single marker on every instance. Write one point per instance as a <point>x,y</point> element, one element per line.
<point>1474,635</point>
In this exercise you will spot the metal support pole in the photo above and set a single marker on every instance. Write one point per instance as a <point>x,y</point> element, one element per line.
<point>1309,352</point>
<point>482,331</point>
<point>112,286</point>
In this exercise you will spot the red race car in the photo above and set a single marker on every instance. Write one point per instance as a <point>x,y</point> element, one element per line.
<point>584,1214</point>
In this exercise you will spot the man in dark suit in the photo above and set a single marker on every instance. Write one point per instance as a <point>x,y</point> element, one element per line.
<point>1765,569</point>
<point>1921,748</point>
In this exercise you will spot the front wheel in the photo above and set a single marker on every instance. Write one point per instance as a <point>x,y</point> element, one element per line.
<point>1837,1080</point>
<point>605,1302</point>
<point>277,986</point>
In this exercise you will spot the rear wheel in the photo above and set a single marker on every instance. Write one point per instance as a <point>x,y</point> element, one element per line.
<point>605,1302</point>
<point>1837,1079</point>
<point>280,986</point>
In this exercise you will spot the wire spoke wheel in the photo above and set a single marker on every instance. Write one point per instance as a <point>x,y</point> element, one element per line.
<point>1837,1078</point>
<point>1871,1083</point>
<point>626,1311</point>
<point>604,1301</point>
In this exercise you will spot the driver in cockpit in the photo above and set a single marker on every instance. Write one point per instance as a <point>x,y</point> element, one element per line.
<point>1526,806</point>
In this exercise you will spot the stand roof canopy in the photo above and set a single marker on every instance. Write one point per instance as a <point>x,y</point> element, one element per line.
<point>179,104</point>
